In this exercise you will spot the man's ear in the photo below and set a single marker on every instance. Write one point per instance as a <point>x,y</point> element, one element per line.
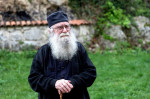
<point>50,30</point>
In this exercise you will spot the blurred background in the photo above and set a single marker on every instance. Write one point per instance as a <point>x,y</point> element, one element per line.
<point>116,34</point>
<point>108,24</point>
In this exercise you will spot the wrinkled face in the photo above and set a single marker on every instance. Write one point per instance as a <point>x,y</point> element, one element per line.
<point>62,27</point>
<point>62,41</point>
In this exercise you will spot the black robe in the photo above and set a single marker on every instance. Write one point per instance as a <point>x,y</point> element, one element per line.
<point>42,79</point>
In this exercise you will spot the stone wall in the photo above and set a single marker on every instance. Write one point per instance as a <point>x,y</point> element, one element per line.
<point>136,36</point>
<point>24,34</point>
<point>19,37</point>
<point>15,10</point>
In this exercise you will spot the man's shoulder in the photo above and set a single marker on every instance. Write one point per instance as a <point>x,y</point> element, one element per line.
<point>44,48</point>
<point>81,48</point>
<point>79,44</point>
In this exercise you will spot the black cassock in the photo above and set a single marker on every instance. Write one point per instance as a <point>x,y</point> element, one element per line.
<point>43,74</point>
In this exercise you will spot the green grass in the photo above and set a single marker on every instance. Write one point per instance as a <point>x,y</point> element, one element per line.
<point>14,71</point>
<point>120,75</point>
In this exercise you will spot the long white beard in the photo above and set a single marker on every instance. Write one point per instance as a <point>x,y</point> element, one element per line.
<point>63,48</point>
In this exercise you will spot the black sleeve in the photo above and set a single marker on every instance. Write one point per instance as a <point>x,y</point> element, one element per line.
<point>88,74</point>
<point>37,80</point>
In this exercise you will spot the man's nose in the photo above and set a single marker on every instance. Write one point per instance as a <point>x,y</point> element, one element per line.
<point>64,30</point>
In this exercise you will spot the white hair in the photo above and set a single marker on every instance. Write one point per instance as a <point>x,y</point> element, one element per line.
<point>63,48</point>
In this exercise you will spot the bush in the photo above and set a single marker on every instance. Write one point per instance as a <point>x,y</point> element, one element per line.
<point>112,15</point>
<point>106,12</point>
<point>134,7</point>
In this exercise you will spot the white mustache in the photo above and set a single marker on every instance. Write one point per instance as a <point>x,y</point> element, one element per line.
<point>64,34</point>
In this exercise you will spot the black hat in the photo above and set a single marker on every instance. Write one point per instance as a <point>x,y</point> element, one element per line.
<point>57,17</point>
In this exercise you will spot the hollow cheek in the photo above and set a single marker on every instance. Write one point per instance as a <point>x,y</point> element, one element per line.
<point>56,32</point>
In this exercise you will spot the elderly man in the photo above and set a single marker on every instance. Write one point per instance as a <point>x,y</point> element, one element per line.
<point>62,66</point>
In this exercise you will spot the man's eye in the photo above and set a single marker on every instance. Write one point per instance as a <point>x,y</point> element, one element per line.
<point>60,27</point>
<point>66,26</point>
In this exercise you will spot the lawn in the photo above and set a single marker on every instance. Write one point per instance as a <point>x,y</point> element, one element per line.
<point>120,75</point>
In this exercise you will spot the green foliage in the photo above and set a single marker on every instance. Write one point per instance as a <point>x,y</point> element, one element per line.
<point>111,15</point>
<point>21,42</point>
<point>108,37</point>
<point>122,45</point>
<point>30,1</point>
<point>86,8</point>
<point>106,12</point>
<point>140,41</point>
<point>134,7</point>
<point>100,25</point>
<point>116,15</point>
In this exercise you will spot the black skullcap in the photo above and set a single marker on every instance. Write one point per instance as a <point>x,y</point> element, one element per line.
<point>57,17</point>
